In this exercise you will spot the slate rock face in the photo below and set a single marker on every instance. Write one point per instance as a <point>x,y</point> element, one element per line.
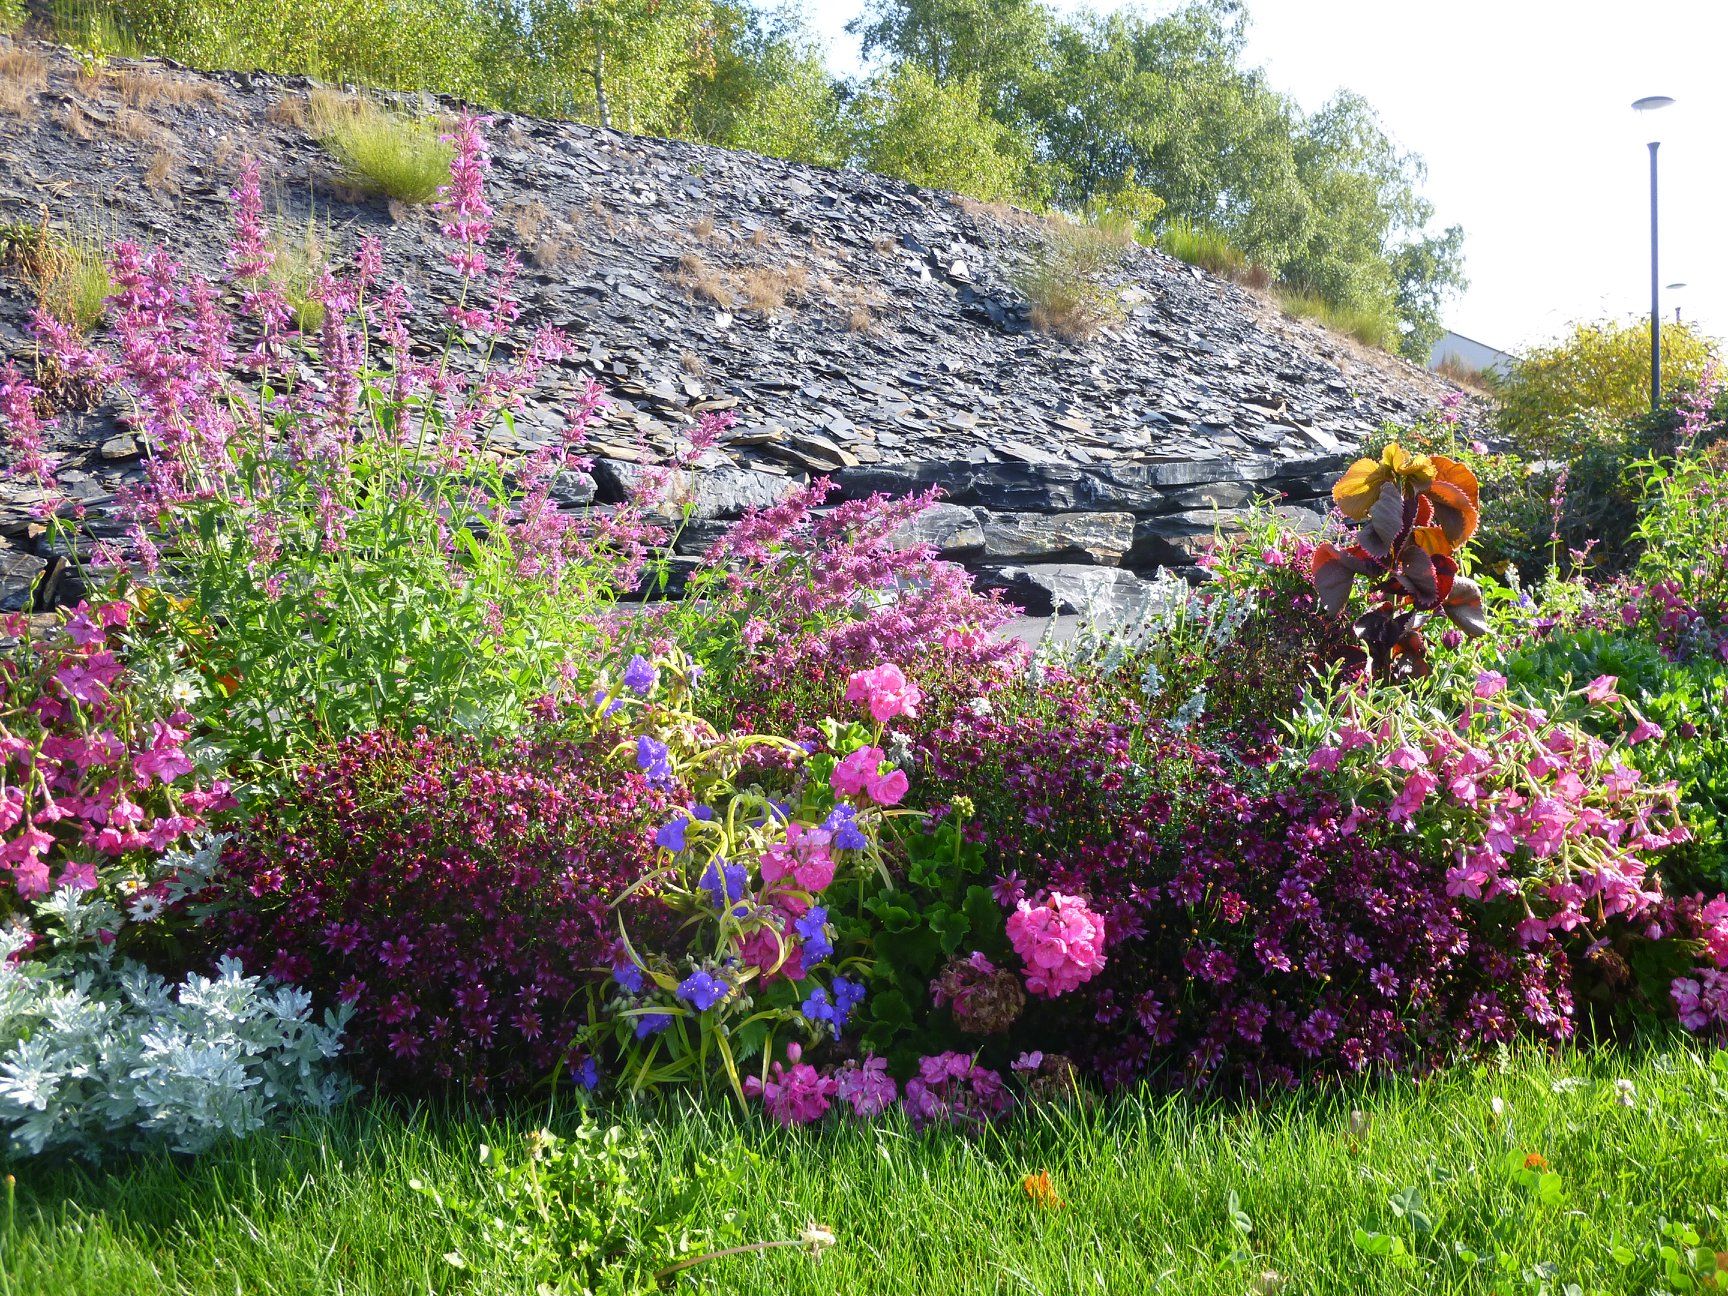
<point>851,326</point>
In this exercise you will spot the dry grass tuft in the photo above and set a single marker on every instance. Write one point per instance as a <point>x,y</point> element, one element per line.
<point>15,100</point>
<point>860,320</point>
<point>759,237</point>
<point>290,110</point>
<point>77,124</point>
<point>160,175</point>
<point>703,281</point>
<point>68,272</point>
<point>141,87</point>
<point>138,128</point>
<point>703,228</point>
<point>1063,280</point>
<point>23,67</point>
<point>602,213</point>
<point>301,256</point>
<point>527,219</point>
<point>768,288</point>
<point>693,364</point>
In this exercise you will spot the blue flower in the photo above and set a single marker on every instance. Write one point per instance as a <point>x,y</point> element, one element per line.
<point>587,1075</point>
<point>833,1006</point>
<point>847,996</point>
<point>652,1024</point>
<point>628,976</point>
<point>671,836</point>
<point>842,821</point>
<point>724,883</point>
<point>654,761</point>
<point>812,930</point>
<point>702,812</point>
<point>640,675</point>
<point>702,990</point>
<point>616,705</point>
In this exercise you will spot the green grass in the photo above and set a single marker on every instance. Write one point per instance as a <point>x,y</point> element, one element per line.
<point>1202,246</point>
<point>1370,327</point>
<point>1320,1197</point>
<point>380,151</point>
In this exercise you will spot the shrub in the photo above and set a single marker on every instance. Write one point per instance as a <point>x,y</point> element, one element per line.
<point>385,570</point>
<point>938,134</point>
<point>1558,400</point>
<point>1065,279</point>
<point>98,1054</point>
<point>1688,701</point>
<point>96,778</point>
<point>455,894</point>
<point>381,151</point>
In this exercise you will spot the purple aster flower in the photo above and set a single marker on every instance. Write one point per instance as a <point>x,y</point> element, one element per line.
<point>842,821</point>
<point>702,990</point>
<point>640,676</point>
<point>812,929</point>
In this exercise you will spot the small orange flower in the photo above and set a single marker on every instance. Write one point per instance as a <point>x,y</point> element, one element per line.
<point>1535,1161</point>
<point>1042,1192</point>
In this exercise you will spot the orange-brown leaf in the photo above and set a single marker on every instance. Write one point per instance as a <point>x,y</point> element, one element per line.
<point>1356,491</point>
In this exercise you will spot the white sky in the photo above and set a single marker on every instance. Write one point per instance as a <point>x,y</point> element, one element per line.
<point>1521,109</point>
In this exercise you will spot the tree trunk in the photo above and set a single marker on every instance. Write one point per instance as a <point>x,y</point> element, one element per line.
<point>600,86</point>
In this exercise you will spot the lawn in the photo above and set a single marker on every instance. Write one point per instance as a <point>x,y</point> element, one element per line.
<point>1394,1187</point>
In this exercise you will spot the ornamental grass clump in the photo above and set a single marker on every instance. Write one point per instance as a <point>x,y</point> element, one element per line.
<point>381,151</point>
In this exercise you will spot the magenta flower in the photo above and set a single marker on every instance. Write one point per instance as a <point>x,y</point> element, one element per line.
<point>795,1095</point>
<point>866,1086</point>
<point>1603,690</point>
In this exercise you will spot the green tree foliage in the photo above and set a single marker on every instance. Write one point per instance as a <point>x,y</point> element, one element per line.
<point>769,90</point>
<point>1561,399</point>
<point>939,135</point>
<point>992,42</point>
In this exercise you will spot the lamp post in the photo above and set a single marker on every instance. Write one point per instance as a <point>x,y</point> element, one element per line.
<point>1650,103</point>
<point>1674,288</point>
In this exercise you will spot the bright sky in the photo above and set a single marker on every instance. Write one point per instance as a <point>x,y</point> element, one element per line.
<point>1522,110</point>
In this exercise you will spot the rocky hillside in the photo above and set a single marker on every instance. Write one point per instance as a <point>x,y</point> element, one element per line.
<point>856,326</point>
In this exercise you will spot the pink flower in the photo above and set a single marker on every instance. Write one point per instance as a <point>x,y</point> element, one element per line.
<point>849,776</point>
<point>887,789</point>
<point>1490,684</point>
<point>1323,760</point>
<point>866,1086</point>
<point>1602,690</point>
<point>804,857</point>
<point>1411,796</point>
<point>1642,730</point>
<point>1061,942</point>
<point>885,693</point>
<point>80,875</point>
<point>795,1095</point>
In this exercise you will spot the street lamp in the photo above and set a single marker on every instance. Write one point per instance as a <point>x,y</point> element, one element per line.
<point>1674,288</point>
<point>1648,104</point>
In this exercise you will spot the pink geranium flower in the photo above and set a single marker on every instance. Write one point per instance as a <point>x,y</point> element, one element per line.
<point>1061,942</point>
<point>884,692</point>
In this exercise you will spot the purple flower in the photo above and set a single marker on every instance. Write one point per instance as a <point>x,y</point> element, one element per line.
<point>834,1005</point>
<point>587,1075</point>
<point>842,821</point>
<point>654,760</point>
<point>671,835</point>
<point>652,1024</point>
<point>725,883</point>
<point>640,675</point>
<point>628,976</point>
<point>702,990</point>
<point>812,929</point>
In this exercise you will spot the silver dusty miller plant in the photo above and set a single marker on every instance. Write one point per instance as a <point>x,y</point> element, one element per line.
<point>98,1054</point>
